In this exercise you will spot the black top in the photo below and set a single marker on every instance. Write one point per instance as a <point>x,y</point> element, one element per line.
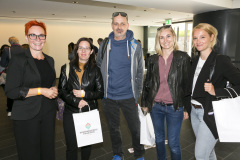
<point>46,73</point>
<point>47,79</point>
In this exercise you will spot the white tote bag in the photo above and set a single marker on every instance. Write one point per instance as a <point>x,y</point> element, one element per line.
<point>88,128</point>
<point>227,117</point>
<point>147,136</point>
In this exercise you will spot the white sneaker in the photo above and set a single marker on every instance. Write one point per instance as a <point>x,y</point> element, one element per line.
<point>9,114</point>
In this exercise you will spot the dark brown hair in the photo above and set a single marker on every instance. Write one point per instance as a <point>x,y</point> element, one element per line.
<point>91,61</point>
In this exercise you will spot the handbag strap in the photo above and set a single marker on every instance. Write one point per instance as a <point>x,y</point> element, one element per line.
<point>212,69</point>
<point>10,53</point>
<point>67,70</point>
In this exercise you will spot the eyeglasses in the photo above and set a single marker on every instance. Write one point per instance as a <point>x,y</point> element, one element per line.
<point>34,36</point>
<point>84,49</point>
<point>123,14</point>
<point>165,26</point>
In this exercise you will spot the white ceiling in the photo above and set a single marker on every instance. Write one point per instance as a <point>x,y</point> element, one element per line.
<point>140,12</point>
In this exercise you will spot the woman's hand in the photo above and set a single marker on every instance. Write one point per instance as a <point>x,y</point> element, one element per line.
<point>82,103</point>
<point>145,110</point>
<point>208,87</point>
<point>79,93</point>
<point>49,92</point>
<point>185,115</point>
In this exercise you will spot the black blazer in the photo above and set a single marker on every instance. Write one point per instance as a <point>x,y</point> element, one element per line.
<point>224,71</point>
<point>22,74</point>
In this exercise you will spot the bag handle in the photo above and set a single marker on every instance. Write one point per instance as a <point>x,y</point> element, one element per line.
<point>228,92</point>
<point>234,91</point>
<point>227,89</point>
<point>80,110</point>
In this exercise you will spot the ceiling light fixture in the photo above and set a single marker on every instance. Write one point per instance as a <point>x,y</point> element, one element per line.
<point>74,2</point>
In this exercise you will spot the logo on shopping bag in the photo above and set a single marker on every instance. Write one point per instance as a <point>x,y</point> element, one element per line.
<point>88,126</point>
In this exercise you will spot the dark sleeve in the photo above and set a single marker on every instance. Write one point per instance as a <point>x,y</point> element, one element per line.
<point>71,56</point>
<point>95,49</point>
<point>186,75</point>
<point>231,73</point>
<point>5,59</point>
<point>147,83</point>
<point>99,56</point>
<point>97,93</point>
<point>53,63</point>
<point>14,81</point>
<point>64,92</point>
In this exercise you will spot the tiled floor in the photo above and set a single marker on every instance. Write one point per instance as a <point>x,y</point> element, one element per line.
<point>225,151</point>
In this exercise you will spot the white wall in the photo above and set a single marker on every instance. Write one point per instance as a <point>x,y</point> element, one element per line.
<point>236,4</point>
<point>59,35</point>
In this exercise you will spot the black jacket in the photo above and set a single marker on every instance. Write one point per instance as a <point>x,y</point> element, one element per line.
<point>14,49</point>
<point>224,71</point>
<point>91,83</point>
<point>23,74</point>
<point>177,79</point>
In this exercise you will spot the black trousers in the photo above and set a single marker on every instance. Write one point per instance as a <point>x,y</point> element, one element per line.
<point>71,140</point>
<point>9,101</point>
<point>9,104</point>
<point>130,111</point>
<point>35,137</point>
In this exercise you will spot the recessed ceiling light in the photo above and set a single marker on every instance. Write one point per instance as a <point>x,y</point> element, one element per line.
<point>74,2</point>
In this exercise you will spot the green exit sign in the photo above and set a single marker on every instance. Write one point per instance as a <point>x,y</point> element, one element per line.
<point>168,21</point>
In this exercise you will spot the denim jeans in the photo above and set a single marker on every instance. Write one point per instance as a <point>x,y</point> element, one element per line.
<point>173,119</point>
<point>205,141</point>
<point>130,111</point>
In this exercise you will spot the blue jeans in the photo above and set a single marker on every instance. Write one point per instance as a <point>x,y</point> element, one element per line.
<point>205,141</point>
<point>174,123</point>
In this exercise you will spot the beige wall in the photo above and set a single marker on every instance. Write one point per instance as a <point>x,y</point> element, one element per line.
<point>59,35</point>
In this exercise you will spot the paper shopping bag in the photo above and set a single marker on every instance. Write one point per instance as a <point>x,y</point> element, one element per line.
<point>227,117</point>
<point>88,128</point>
<point>147,136</point>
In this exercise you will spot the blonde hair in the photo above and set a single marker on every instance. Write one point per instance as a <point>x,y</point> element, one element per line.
<point>210,30</point>
<point>13,40</point>
<point>158,47</point>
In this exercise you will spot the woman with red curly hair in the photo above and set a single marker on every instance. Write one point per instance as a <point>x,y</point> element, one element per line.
<point>31,82</point>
